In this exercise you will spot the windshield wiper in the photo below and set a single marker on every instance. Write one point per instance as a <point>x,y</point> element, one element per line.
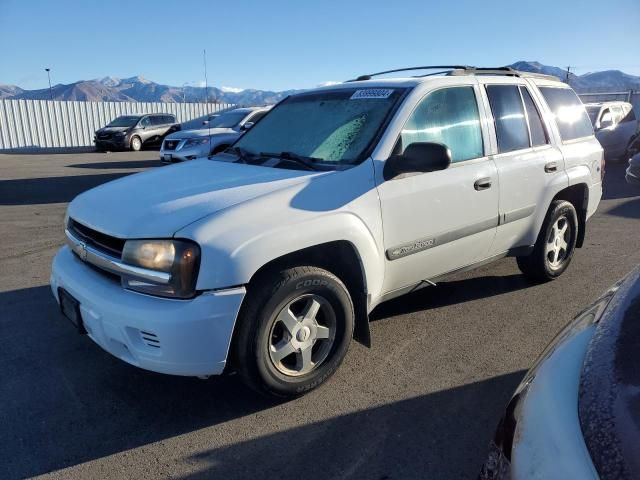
<point>294,157</point>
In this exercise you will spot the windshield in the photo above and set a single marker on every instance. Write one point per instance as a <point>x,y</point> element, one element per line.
<point>335,126</point>
<point>227,120</point>
<point>126,121</point>
<point>593,113</point>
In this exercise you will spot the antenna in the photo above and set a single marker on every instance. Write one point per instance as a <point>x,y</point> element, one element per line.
<point>568,72</point>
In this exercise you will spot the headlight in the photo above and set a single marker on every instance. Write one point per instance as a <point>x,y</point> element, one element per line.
<point>179,258</point>
<point>194,142</point>
<point>120,134</point>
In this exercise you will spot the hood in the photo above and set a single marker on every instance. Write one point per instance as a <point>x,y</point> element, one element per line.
<point>204,132</point>
<point>159,202</point>
<point>112,129</point>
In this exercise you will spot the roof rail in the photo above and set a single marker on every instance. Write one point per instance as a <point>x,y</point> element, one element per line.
<point>460,70</point>
<point>428,67</point>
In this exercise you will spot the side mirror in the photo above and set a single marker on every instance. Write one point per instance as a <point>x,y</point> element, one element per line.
<point>205,122</point>
<point>246,126</point>
<point>418,157</point>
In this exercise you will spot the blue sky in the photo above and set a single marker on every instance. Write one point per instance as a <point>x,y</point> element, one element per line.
<point>281,44</point>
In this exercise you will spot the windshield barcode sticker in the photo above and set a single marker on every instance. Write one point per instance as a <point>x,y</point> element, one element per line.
<point>372,93</point>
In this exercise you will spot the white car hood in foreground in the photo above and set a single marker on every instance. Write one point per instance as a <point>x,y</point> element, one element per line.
<point>203,132</point>
<point>157,203</point>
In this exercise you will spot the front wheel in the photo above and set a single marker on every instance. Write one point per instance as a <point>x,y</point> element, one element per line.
<point>555,245</point>
<point>293,331</point>
<point>136,144</point>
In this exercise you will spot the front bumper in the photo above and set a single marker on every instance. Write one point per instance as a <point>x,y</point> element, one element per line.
<point>178,337</point>
<point>181,154</point>
<point>114,143</point>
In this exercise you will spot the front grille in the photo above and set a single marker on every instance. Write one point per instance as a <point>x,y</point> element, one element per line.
<point>170,144</point>
<point>105,243</point>
<point>104,136</point>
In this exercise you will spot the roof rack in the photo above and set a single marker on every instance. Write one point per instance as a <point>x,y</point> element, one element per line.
<point>428,67</point>
<point>460,70</point>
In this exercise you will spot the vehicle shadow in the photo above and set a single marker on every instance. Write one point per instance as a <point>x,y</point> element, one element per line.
<point>116,164</point>
<point>629,209</point>
<point>65,402</point>
<point>615,186</point>
<point>451,292</point>
<point>33,191</point>
<point>442,435</point>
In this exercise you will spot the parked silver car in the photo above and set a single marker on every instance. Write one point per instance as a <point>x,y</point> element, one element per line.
<point>216,134</point>
<point>614,123</point>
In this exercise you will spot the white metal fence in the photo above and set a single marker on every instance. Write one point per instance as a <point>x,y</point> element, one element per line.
<point>630,96</point>
<point>45,124</point>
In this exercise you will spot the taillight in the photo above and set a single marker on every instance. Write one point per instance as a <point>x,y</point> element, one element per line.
<point>602,165</point>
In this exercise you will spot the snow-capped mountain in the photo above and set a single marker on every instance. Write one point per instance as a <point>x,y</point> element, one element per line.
<point>140,89</point>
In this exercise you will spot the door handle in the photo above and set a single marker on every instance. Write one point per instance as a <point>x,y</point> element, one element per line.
<point>482,183</point>
<point>551,167</point>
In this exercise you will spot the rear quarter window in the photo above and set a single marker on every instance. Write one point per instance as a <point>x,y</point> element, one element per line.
<point>568,111</point>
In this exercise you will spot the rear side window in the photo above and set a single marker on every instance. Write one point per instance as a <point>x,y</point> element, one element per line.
<point>169,119</point>
<point>570,115</point>
<point>629,116</point>
<point>508,112</point>
<point>448,116</point>
<point>536,127</point>
<point>157,120</point>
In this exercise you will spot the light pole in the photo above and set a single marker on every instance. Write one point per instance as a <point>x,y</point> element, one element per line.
<point>184,92</point>
<point>49,77</point>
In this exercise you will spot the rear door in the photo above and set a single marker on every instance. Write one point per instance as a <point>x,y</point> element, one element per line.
<point>528,164</point>
<point>439,221</point>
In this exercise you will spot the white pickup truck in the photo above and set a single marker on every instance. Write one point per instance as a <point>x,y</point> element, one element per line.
<point>268,258</point>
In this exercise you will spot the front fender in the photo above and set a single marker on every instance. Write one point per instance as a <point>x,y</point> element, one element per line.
<point>235,243</point>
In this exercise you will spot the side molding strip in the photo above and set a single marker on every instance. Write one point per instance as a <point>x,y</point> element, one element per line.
<point>447,237</point>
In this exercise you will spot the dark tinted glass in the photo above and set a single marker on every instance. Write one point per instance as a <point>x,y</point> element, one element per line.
<point>508,112</point>
<point>538,135</point>
<point>570,115</point>
<point>157,120</point>
<point>629,117</point>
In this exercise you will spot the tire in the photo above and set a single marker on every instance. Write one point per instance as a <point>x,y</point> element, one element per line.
<point>554,248</point>
<point>293,331</point>
<point>136,144</point>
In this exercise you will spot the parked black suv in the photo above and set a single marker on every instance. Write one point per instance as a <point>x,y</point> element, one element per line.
<point>134,131</point>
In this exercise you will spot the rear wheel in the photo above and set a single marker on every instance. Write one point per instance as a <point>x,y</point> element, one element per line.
<point>555,245</point>
<point>136,144</point>
<point>293,331</point>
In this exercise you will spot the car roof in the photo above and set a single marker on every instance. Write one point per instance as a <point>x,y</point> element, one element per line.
<point>250,109</point>
<point>411,81</point>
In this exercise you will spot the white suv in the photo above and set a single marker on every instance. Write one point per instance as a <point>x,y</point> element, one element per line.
<point>267,259</point>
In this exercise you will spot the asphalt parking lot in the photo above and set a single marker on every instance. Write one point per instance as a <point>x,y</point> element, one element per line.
<point>422,403</point>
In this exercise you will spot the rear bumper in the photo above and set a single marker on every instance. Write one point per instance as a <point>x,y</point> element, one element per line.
<point>178,337</point>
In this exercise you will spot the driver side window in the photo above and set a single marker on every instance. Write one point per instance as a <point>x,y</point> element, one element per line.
<point>449,116</point>
<point>145,122</point>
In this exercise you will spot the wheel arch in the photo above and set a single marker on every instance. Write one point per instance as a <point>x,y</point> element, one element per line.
<point>341,258</point>
<point>578,196</point>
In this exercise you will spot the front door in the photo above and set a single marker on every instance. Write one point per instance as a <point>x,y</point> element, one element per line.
<point>439,221</point>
